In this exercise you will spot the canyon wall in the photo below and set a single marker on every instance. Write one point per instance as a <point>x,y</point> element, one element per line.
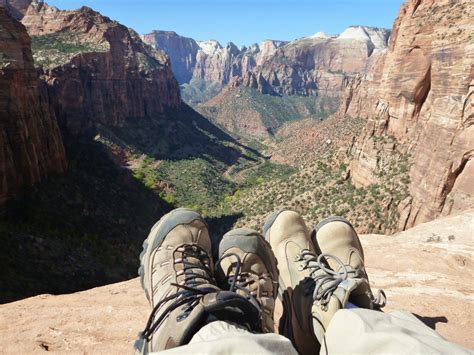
<point>420,92</point>
<point>97,70</point>
<point>31,147</point>
<point>209,60</point>
<point>181,50</point>
<point>16,8</point>
<point>320,65</point>
<point>306,66</point>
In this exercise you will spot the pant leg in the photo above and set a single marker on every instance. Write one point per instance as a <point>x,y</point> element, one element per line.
<point>225,338</point>
<point>362,331</point>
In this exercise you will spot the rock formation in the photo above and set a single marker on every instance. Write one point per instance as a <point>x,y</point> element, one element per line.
<point>305,66</point>
<point>16,8</point>
<point>97,70</point>
<point>209,60</point>
<point>420,92</point>
<point>31,147</point>
<point>181,50</point>
<point>319,64</point>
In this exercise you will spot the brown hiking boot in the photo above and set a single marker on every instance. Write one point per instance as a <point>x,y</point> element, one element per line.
<point>177,275</point>
<point>288,236</point>
<point>337,237</point>
<point>248,266</point>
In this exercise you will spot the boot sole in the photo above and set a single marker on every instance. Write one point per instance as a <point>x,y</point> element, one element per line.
<point>158,233</point>
<point>250,241</point>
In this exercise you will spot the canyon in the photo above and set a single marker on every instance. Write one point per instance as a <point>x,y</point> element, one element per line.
<point>102,131</point>
<point>253,90</point>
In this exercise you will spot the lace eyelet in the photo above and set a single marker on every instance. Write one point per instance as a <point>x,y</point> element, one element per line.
<point>182,316</point>
<point>300,267</point>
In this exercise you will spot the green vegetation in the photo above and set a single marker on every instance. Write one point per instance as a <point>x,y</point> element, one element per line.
<point>196,183</point>
<point>55,49</point>
<point>273,110</point>
<point>323,188</point>
<point>267,171</point>
<point>199,90</point>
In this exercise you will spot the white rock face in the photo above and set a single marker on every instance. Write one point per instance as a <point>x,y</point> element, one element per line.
<point>378,37</point>
<point>210,47</point>
<point>319,34</point>
<point>268,48</point>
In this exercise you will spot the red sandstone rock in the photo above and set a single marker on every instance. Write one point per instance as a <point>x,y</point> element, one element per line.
<point>16,8</point>
<point>117,79</point>
<point>421,93</point>
<point>31,147</point>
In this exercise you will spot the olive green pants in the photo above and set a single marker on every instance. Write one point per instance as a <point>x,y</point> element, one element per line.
<point>351,331</point>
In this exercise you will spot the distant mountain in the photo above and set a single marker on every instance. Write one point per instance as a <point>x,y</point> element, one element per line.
<point>317,66</point>
<point>209,60</point>
<point>300,67</point>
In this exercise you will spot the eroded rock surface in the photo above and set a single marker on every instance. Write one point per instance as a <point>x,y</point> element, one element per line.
<point>16,8</point>
<point>420,92</point>
<point>97,70</point>
<point>31,146</point>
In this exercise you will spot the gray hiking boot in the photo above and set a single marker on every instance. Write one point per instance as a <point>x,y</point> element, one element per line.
<point>288,236</point>
<point>336,237</point>
<point>248,266</point>
<point>177,275</point>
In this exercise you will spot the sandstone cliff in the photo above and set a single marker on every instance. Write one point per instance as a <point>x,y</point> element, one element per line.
<point>181,50</point>
<point>31,147</point>
<point>97,70</point>
<point>307,66</point>
<point>209,60</point>
<point>420,93</point>
<point>16,8</point>
<point>319,64</point>
<point>308,76</point>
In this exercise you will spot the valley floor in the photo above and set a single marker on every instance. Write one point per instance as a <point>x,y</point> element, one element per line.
<point>426,270</point>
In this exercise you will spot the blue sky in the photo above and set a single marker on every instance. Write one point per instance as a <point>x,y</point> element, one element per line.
<point>243,21</point>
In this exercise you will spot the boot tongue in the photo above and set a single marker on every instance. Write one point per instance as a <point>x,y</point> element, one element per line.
<point>193,268</point>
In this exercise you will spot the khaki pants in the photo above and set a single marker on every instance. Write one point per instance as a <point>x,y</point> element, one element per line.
<point>351,331</point>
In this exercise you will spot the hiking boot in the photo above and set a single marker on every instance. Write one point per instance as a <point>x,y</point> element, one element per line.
<point>247,266</point>
<point>336,237</point>
<point>176,273</point>
<point>314,284</point>
<point>288,236</point>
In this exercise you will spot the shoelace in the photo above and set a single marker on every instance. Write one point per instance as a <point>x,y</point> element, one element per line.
<point>189,293</point>
<point>327,280</point>
<point>240,280</point>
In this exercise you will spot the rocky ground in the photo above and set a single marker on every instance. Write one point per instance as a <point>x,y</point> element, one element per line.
<point>427,270</point>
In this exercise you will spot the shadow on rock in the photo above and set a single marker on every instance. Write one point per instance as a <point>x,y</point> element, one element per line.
<point>432,321</point>
<point>76,231</point>
<point>218,226</point>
